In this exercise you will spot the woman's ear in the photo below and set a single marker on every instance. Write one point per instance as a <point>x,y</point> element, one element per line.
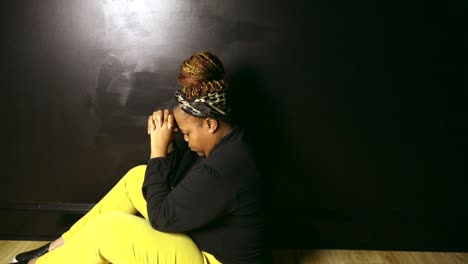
<point>212,125</point>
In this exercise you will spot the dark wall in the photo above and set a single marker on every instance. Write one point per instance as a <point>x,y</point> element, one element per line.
<point>357,111</point>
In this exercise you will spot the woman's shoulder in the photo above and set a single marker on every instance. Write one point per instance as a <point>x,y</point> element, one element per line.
<point>234,158</point>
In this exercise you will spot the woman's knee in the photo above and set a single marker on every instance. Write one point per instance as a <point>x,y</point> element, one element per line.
<point>109,222</point>
<point>136,171</point>
<point>135,177</point>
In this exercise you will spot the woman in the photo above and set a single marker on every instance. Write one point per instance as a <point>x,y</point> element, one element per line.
<point>200,202</point>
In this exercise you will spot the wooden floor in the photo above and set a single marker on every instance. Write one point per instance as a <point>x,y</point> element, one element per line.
<point>289,256</point>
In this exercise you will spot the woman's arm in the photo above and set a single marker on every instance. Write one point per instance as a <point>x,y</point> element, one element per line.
<point>200,198</point>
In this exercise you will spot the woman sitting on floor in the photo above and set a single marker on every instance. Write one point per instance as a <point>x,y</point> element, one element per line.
<point>201,202</point>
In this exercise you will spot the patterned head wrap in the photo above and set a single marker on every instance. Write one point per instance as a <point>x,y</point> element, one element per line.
<point>212,105</point>
<point>204,91</point>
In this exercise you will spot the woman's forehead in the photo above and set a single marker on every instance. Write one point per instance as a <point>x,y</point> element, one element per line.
<point>182,118</point>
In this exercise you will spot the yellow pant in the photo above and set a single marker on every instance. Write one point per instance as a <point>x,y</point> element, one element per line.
<point>112,233</point>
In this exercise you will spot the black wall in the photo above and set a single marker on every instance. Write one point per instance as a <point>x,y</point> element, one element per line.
<point>358,110</point>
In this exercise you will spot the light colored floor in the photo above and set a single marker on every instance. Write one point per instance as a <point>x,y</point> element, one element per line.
<point>288,256</point>
<point>9,248</point>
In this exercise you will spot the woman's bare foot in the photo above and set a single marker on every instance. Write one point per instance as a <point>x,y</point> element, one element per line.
<point>57,243</point>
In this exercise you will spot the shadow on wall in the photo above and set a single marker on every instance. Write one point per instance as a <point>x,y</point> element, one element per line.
<point>125,98</point>
<point>254,110</point>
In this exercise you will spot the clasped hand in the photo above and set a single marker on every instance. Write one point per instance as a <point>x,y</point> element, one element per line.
<point>161,128</point>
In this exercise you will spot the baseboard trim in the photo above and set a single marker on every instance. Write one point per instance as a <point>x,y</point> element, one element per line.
<point>76,208</point>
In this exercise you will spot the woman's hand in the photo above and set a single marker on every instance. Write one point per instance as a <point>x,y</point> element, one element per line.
<point>161,128</point>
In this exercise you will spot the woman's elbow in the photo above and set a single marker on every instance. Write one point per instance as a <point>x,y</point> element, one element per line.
<point>161,225</point>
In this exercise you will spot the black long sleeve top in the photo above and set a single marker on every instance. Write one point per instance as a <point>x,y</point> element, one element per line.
<point>217,200</point>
